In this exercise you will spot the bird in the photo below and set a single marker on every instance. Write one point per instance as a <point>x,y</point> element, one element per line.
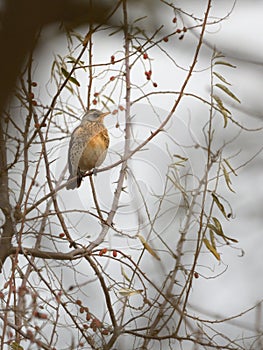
<point>88,146</point>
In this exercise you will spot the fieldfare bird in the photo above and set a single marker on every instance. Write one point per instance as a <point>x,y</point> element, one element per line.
<point>88,146</point>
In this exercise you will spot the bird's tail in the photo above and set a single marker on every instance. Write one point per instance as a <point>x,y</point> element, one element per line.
<point>73,183</point>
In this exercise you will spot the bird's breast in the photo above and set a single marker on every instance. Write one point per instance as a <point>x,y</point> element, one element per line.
<point>95,152</point>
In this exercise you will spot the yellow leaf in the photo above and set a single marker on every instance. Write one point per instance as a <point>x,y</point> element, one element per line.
<point>219,76</point>
<point>227,91</point>
<point>212,239</point>
<point>127,292</point>
<point>211,249</point>
<point>217,229</point>
<point>16,346</point>
<point>230,167</point>
<point>148,247</point>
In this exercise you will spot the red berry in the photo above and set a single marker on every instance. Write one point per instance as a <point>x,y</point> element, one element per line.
<point>94,101</point>
<point>31,95</point>
<point>103,251</point>
<point>96,94</point>
<point>145,56</point>
<point>148,74</point>
<point>34,102</point>
<point>114,253</point>
<point>165,39</point>
<point>112,59</point>
<point>174,20</point>
<point>112,78</point>
<point>196,275</point>
<point>34,83</point>
<point>155,85</point>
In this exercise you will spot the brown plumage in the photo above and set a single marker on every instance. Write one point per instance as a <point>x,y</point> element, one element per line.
<point>88,146</point>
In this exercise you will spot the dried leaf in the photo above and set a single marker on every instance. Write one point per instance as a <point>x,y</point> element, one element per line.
<point>212,239</point>
<point>219,204</point>
<point>180,157</point>
<point>218,230</point>
<point>124,274</point>
<point>211,249</point>
<point>127,292</point>
<point>225,112</point>
<point>230,167</point>
<point>228,92</point>
<point>224,63</point>
<point>219,76</point>
<point>148,247</point>
<point>227,179</point>
<point>16,346</point>
<point>109,99</point>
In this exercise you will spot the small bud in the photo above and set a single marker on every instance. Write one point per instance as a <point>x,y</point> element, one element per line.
<point>114,253</point>
<point>112,59</point>
<point>196,274</point>
<point>112,78</point>
<point>165,39</point>
<point>34,84</point>
<point>155,85</point>
<point>174,20</point>
<point>62,234</point>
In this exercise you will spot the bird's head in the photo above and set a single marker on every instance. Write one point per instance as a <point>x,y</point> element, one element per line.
<point>94,115</point>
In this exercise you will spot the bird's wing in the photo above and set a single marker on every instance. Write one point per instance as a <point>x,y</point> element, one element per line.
<point>78,142</point>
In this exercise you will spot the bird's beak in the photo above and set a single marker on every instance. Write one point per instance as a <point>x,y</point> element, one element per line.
<point>104,115</point>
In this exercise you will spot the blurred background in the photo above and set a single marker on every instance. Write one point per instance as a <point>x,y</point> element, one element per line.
<point>234,284</point>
